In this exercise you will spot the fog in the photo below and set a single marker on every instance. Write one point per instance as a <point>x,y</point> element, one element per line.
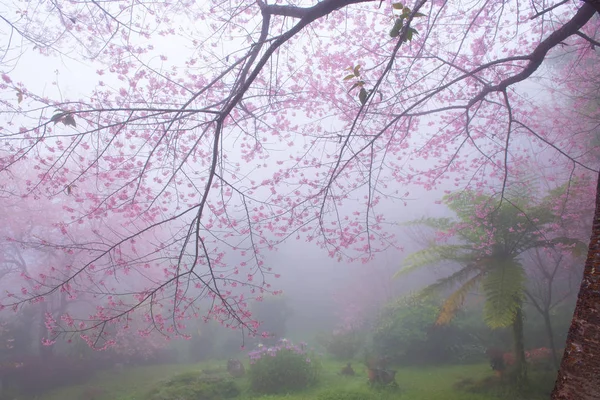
<point>335,306</point>
<point>338,307</point>
<point>449,279</point>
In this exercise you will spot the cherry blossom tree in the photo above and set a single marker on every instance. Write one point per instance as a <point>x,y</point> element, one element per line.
<point>20,263</point>
<point>215,130</point>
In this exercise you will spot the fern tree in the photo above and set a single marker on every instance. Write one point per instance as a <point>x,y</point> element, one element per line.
<point>485,242</point>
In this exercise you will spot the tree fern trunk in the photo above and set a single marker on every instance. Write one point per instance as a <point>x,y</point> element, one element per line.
<point>520,372</point>
<point>579,374</point>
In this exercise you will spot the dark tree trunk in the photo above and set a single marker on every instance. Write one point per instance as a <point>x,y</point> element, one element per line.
<point>579,374</point>
<point>520,371</point>
<point>550,333</point>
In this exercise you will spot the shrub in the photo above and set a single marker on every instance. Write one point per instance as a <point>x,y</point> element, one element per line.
<point>405,333</point>
<point>403,326</point>
<point>282,368</point>
<point>191,385</point>
<point>341,344</point>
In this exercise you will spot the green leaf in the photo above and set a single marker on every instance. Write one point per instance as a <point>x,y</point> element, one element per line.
<point>357,70</point>
<point>456,279</point>
<point>397,6</point>
<point>56,118</point>
<point>440,224</point>
<point>357,84</point>
<point>69,119</point>
<point>64,117</point>
<point>455,301</point>
<point>410,33</point>
<point>429,256</point>
<point>397,26</point>
<point>362,96</point>
<point>348,77</point>
<point>418,14</point>
<point>503,287</point>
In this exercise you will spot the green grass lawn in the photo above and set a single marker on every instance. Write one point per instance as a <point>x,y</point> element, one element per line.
<point>415,383</point>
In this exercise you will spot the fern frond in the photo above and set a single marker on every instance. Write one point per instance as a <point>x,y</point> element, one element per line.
<point>440,224</point>
<point>503,286</point>
<point>455,301</point>
<point>429,256</point>
<point>462,275</point>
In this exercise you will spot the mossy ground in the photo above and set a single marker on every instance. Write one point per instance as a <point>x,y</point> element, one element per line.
<point>423,383</point>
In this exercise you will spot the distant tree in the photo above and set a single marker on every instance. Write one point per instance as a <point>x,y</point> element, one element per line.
<point>272,313</point>
<point>551,275</point>
<point>554,271</point>
<point>23,223</point>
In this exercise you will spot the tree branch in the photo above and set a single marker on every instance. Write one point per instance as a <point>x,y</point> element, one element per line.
<point>589,39</point>
<point>318,10</point>
<point>594,3</point>
<point>539,14</point>
<point>583,15</point>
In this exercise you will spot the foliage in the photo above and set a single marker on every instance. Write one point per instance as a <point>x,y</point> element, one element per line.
<point>486,241</point>
<point>283,368</point>
<point>503,289</point>
<point>405,333</point>
<point>191,385</point>
<point>402,326</point>
<point>343,344</point>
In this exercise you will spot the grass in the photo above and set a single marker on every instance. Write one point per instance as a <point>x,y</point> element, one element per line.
<point>415,383</point>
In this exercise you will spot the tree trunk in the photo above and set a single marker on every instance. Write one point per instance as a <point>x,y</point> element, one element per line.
<point>520,371</point>
<point>550,333</point>
<point>579,374</point>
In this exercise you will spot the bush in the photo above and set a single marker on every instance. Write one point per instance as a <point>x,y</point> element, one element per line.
<point>341,344</point>
<point>191,385</point>
<point>405,333</point>
<point>403,326</point>
<point>282,368</point>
